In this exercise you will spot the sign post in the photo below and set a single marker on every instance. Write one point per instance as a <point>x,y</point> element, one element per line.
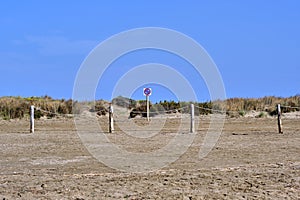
<point>147,92</point>
<point>148,116</point>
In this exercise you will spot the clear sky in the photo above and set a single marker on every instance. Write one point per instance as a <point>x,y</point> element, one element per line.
<point>255,44</point>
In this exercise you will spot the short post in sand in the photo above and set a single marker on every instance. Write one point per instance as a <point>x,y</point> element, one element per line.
<point>279,119</point>
<point>31,119</point>
<point>192,128</point>
<point>111,119</point>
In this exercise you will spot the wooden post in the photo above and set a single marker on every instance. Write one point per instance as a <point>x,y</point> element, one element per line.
<point>192,130</point>
<point>148,116</point>
<point>31,119</point>
<point>111,119</point>
<point>279,119</point>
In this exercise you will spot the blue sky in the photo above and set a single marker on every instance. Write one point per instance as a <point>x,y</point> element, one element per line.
<point>255,44</point>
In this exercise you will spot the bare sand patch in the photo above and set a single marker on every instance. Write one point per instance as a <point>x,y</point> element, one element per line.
<point>250,161</point>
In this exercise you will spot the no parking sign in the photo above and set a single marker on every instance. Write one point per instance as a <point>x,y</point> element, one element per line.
<point>147,91</point>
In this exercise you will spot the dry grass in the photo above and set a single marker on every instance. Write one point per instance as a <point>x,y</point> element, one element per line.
<point>18,107</point>
<point>267,104</point>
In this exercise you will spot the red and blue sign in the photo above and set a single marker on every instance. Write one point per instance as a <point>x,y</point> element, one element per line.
<point>147,91</point>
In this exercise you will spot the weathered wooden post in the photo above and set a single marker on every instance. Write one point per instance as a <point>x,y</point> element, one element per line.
<point>31,119</point>
<point>111,119</point>
<point>192,130</point>
<point>279,119</point>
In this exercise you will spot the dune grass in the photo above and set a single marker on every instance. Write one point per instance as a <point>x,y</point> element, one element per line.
<point>18,107</point>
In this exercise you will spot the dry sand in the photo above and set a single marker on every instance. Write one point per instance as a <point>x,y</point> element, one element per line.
<point>250,161</point>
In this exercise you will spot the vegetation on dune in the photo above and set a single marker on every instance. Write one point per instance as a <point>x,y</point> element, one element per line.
<point>124,102</point>
<point>265,104</point>
<point>234,106</point>
<point>18,107</point>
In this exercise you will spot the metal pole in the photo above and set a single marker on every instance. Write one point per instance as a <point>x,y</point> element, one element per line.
<point>147,99</point>
<point>31,119</point>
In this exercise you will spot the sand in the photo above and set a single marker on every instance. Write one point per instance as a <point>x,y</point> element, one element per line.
<point>251,160</point>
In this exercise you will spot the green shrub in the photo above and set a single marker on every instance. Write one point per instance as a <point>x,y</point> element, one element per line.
<point>242,113</point>
<point>261,115</point>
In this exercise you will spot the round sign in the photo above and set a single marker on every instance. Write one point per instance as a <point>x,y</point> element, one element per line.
<point>147,91</point>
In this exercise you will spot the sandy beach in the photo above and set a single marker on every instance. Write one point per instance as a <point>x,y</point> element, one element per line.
<point>251,160</point>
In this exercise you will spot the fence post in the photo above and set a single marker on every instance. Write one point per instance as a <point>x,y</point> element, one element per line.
<point>111,119</point>
<point>31,119</point>
<point>279,119</point>
<point>192,130</point>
